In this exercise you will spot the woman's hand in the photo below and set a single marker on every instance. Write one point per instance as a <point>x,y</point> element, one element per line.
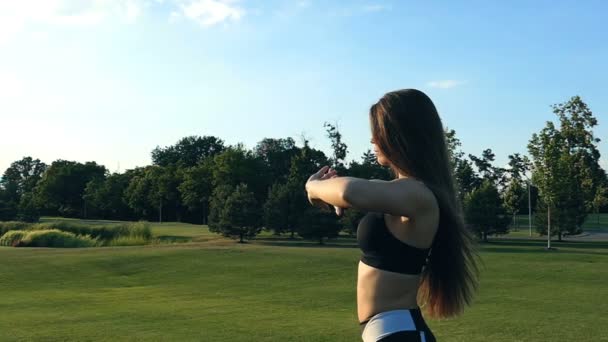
<point>323,174</point>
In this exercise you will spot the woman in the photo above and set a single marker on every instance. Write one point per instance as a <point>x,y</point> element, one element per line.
<point>407,218</point>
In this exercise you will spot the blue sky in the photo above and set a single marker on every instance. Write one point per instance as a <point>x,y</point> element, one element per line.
<point>109,80</point>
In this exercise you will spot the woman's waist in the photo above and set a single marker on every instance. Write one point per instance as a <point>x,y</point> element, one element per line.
<point>379,290</point>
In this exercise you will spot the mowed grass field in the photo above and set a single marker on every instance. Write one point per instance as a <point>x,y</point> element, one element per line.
<point>197,286</point>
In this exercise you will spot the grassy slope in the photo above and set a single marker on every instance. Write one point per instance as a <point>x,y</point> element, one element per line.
<point>217,290</point>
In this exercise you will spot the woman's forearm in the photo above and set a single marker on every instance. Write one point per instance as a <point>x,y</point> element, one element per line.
<point>332,190</point>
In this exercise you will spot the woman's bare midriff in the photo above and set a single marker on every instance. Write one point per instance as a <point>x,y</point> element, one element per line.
<point>379,291</point>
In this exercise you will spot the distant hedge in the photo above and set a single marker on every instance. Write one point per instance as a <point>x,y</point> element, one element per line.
<point>73,234</point>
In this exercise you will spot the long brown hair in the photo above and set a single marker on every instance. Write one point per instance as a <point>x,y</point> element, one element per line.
<point>408,131</point>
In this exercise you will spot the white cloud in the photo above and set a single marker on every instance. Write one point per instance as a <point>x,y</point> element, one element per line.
<point>376,8</point>
<point>17,15</point>
<point>303,3</point>
<point>210,12</point>
<point>445,84</point>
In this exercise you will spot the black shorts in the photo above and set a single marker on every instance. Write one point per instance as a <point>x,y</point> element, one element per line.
<point>397,325</point>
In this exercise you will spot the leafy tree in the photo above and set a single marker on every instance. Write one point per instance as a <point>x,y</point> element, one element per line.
<point>21,177</point>
<point>465,177</point>
<point>600,200</point>
<point>106,198</point>
<point>61,189</point>
<point>236,165</point>
<point>276,155</point>
<point>316,225</point>
<point>566,168</point>
<point>339,148</point>
<point>484,211</point>
<point>281,212</point>
<point>188,151</point>
<point>8,209</point>
<point>486,170</point>
<point>368,168</point>
<point>240,216</point>
<point>515,197</point>
<point>196,188</point>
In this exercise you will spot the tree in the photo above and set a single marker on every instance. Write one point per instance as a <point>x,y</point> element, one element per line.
<point>276,155</point>
<point>515,197</point>
<point>196,188</point>
<point>484,211</point>
<point>21,177</point>
<point>281,208</point>
<point>240,216</point>
<point>566,168</point>
<point>368,168</point>
<point>576,129</point>
<point>466,179</point>
<point>106,198</point>
<point>8,209</point>
<point>339,148</point>
<point>599,200</point>
<point>61,189</point>
<point>316,225</point>
<point>486,170</point>
<point>462,169</point>
<point>18,182</point>
<point>188,151</point>
<point>237,165</point>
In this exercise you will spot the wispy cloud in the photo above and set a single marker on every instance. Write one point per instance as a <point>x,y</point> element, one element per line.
<point>376,8</point>
<point>445,84</point>
<point>16,16</point>
<point>209,12</point>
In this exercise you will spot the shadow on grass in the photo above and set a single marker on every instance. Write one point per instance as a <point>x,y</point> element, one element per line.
<point>169,238</point>
<point>280,241</point>
<point>539,246</point>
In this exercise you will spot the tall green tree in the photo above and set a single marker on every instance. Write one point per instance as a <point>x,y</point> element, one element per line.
<point>339,148</point>
<point>282,208</point>
<point>19,179</point>
<point>566,168</point>
<point>61,189</point>
<point>487,170</point>
<point>196,189</point>
<point>188,151</point>
<point>239,217</point>
<point>462,169</point>
<point>484,211</point>
<point>276,155</point>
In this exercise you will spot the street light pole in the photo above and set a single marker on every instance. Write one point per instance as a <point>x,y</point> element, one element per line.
<point>529,208</point>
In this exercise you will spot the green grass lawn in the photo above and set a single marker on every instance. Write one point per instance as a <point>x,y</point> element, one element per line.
<point>212,289</point>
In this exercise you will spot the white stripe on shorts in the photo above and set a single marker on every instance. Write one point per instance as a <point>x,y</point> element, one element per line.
<point>386,323</point>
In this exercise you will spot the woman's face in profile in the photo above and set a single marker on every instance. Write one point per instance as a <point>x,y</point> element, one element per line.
<point>379,155</point>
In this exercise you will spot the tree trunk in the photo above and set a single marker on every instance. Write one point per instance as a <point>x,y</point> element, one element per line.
<point>320,240</point>
<point>204,214</point>
<point>485,237</point>
<point>241,241</point>
<point>559,236</point>
<point>160,211</point>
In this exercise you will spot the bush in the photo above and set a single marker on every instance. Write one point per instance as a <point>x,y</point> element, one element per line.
<point>125,234</point>
<point>105,233</point>
<point>128,241</point>
<point>12,238</point>
<point>13,225</point>
<point>56,238</point>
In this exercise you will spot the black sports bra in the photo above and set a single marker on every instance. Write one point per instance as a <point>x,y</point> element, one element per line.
<point>381,249</point>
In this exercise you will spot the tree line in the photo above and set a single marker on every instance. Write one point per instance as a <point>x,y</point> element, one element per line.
<point>238,192</point>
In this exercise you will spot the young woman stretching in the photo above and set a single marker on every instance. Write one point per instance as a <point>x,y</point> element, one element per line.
<point>416,252</point>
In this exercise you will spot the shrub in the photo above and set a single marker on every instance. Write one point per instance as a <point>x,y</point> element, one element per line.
<point>56,238</point>
<point>13,225</point>
<point>12,238</point>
